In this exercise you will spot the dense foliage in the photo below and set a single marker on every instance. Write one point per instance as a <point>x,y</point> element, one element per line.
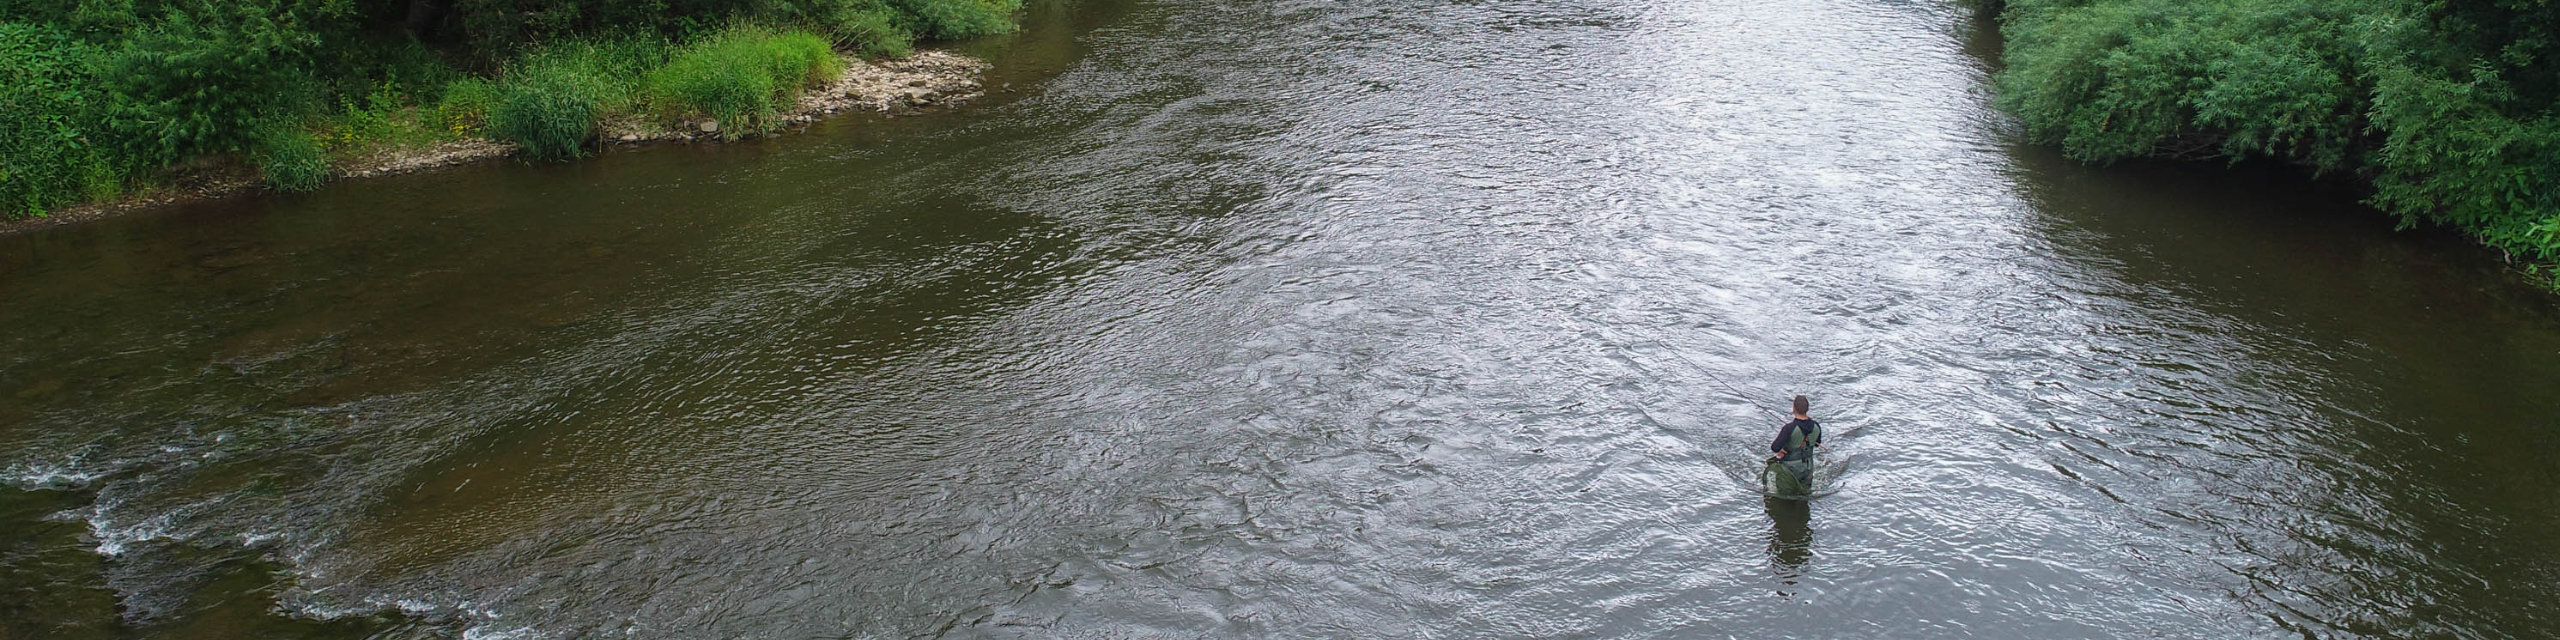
<point>508,26</point>
<point>99,95</point>
<point>2451,109</point>
<point>208,78</point>
<point>46,155</point>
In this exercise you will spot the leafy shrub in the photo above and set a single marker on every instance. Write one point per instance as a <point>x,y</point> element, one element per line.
<point>384,116</point>
<point>2467,102</point>
<point>958,19</point>
<point>207,76</point>
<point>80,18</point>
<point>741,76</point>
<point>869,27</point>
<point>359,62</point>
<point>2451,109</point>
<point>508,29</point>
<point>290,159</point>
<point>2161,77</point>
<point>2451,154</point>
<point>502,29</point>
<point>47,120</point>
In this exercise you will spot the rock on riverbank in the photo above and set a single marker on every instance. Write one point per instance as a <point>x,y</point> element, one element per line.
<point>925,80</point>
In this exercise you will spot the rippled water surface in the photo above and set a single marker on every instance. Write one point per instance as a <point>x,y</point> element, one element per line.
<point>1294,318</point>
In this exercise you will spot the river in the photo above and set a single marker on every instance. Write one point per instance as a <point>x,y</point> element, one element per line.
<point>1297,319</point>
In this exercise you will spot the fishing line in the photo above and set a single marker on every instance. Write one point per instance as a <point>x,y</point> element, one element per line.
<point>1711,375</point>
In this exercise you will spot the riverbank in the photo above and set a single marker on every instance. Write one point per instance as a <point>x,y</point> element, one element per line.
<point>1291,322</point>
<point>114,107</point>
<point>921,81</point>
<point>2446,112</point>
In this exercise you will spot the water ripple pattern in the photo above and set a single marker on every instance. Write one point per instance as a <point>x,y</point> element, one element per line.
<point>1316,319</point>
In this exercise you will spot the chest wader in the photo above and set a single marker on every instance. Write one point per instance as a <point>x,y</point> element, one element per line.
<point>1793,475</point>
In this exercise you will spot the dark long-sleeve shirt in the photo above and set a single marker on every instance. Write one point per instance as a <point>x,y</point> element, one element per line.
<point>1811,429</point>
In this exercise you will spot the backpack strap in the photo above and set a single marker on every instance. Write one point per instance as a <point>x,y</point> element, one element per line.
<point>1801,436</point>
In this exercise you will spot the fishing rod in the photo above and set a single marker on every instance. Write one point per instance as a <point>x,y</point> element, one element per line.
<point>1773,462</point>
<point>1711,375</point>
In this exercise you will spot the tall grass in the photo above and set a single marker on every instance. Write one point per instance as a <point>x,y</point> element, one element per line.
<point>289,158</point>
<point>552,101</point>
<point>742,76</point>
<point>463,110</point>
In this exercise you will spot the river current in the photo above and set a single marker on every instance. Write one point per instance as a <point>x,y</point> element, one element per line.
<point>1297,319</point>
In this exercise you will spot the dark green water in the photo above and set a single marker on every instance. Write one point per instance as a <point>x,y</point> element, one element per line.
<point>1298,319</point>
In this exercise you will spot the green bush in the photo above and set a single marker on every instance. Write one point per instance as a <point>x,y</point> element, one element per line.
<point>502,29</point>
<point>290,159</point>
<point>385,116</point>
<point>870,28</point>
<point>2452,110</point>
<point>891,27</point>
<point>742,76</point>
<point>81,18</point>
<point>356,62</point>
<point>2451,154</point>
<point>508,29</point>
<point>958,19</point>
<point>48,118</point>
<point>2162,77</point>
<point>208,76</point>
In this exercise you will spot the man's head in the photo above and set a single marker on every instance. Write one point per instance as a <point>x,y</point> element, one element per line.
<point>1803,405</point>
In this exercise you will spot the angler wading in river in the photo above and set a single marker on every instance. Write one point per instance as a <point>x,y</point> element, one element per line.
<point>1791,455</point>
<point>1242,320</point>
